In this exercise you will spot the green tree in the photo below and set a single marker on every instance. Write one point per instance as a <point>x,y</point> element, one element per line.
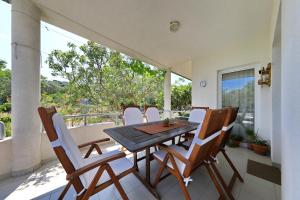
<point>181,96</point>
<point>106,78</point>
<point>5,82</point>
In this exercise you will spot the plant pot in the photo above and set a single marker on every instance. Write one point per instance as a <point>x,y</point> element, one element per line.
<point>250,146</point>
<point>260,149</point>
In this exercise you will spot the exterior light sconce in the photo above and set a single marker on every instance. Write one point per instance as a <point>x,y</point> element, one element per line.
<point>203,83</point>
<point>174,26</point>
<point>265,76</point>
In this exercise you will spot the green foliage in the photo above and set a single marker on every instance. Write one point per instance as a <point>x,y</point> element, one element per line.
<point>6,107</point>
<point>253,137</point>
<point>5,82</point>
<point>181,97</point>
<point>106,78</point>
<point>6,119</point>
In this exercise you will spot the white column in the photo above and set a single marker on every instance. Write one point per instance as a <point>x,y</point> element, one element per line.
<point>167,94</point>
<point>25,86</point>
<point>290,99</point>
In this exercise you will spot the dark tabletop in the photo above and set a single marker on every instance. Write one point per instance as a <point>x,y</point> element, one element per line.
<point>135,140</point>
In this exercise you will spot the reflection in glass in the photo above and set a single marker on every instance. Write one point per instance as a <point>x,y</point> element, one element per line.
<point>238,91</point>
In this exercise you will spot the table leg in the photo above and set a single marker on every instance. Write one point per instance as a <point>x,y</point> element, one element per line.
<point>135,161</point>
<point>147,166</point>
<point>173,141</point>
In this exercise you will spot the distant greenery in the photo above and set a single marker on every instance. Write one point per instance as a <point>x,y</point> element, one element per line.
<point>181,96</point>
<point>104,79</point>
<point>96,80</point>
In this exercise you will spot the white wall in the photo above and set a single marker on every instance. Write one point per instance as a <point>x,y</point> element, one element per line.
<point>290,95</point>
<point>5,157</point>
<point>276,94</point>
<point>80,134</point>
<point>206,68</point>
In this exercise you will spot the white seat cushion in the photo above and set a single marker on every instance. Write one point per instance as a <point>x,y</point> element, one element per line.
<point>152,114</point>
<point>66,141</point>
<point>161,155</point>
<point>118,166</point>
<point>132,116</point>
<point>197,115</point>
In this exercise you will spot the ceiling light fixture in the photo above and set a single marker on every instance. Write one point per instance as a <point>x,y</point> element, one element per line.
<point>174,26</point>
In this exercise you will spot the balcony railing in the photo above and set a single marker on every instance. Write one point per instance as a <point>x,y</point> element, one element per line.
<point>116,117</point>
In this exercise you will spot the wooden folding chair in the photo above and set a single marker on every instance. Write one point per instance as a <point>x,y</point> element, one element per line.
<point>88,175</point>
<point>197,114</point>
<point>220,147</point>
<point>180,162</point>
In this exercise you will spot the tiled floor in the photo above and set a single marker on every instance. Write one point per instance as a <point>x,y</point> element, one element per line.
<point>47,183</point>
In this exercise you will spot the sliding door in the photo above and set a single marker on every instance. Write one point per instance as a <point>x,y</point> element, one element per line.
<point>236,89</point>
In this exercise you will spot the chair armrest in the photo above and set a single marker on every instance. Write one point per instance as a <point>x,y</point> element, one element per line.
<point>93,142</point>
<point>95,164</point>
<point>175,154</point>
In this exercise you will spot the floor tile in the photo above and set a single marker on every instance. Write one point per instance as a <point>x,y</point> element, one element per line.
<point>48,182</point>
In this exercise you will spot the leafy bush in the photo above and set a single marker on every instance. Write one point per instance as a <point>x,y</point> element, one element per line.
<point>6,107</point>
<point>6,119</point>
<point>253,137</point>
<point>261,142</point>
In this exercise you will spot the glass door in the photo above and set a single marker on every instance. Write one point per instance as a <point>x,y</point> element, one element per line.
<point>236,89</point>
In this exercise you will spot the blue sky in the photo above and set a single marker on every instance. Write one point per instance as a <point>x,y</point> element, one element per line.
<point>51,38</point>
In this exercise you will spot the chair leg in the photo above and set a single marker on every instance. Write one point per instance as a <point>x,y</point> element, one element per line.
<point>221,180</point>
<point>179,178</point>
<point>179,139</point>
<point>213,178</point>
<point>94,182</point>
<point>182,186</point>
<point>61,196</point>
<point>160,171</point>
<point>232,166</point>
<point>116,182</point>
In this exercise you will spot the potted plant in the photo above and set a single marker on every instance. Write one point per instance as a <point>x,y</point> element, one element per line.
<point>234,140</point>
<point>251,137</point>
<point>260,146</point>
<point>166,122</point>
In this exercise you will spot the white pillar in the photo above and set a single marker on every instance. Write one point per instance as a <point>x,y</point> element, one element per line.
<point>25,86</point>
<point>290,99</point>
<point>167,94</point>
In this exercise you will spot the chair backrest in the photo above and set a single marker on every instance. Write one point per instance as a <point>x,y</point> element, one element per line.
<point>228,125</point>
<point>61,142</point>
<point>202,145</point>
<point>197,115</point>
<point>132,115</point>
<point>152,114</point>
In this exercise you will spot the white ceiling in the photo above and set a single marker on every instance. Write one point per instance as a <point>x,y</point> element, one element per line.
<point>140,28</point>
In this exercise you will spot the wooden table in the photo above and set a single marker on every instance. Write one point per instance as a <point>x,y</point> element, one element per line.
<point>134,140</point>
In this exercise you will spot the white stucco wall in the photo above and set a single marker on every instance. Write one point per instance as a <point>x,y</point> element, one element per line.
<point>206,68</point>
<point>290,95</point>
<point>5,157</point>
<point>80,134</point>
<point>276,94</point>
